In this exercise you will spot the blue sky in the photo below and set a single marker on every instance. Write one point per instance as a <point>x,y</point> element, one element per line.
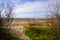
<point>30,8</point>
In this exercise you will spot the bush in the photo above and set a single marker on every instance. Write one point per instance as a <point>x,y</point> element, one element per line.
<point>39,33</point>
<point>6,35</point>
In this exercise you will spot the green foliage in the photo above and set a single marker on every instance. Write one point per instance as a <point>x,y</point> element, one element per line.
<point>39,33</point>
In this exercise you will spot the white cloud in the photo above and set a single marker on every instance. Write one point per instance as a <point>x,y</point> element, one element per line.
<point>30,6</point>
<point>14,0</point>
<point>33,6</point>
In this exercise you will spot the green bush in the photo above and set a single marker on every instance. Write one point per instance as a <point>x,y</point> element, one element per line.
<point>39,33</point>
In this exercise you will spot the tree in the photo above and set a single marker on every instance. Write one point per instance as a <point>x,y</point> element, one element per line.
<point>5,22</point>
<point>54,21</point>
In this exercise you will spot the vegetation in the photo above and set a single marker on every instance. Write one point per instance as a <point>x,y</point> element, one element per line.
<point>54,21</point>
<point>39,33</point>
<point>52,30</point>
<point>5,34</point>
<point>5,22</point>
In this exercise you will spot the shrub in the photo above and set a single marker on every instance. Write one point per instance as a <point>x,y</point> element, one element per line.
<point>39,33</point>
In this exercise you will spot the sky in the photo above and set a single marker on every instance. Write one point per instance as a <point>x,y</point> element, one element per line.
<point>31,8</point>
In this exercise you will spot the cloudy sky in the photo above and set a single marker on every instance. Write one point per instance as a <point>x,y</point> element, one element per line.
<point>31,8</point>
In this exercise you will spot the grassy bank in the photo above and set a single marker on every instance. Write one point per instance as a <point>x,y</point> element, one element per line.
<point>40,33</point>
